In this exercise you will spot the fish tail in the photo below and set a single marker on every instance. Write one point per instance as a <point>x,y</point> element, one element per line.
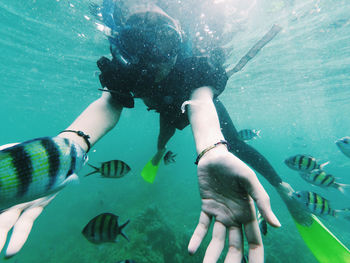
<point>121,230</point>
<point>343,213</point>
<point>343,188</point>
<point>93,172</point>
<point>323,165</point>
<point>258,133</point>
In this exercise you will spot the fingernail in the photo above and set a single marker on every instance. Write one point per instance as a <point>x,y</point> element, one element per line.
<point>275,220</point>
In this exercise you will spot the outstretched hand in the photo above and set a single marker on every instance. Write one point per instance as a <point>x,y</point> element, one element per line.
<point>21,218</point>
<point>228,189</point>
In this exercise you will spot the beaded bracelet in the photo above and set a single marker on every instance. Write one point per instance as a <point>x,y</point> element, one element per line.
<point>208,149</point>
<point>83,135</point>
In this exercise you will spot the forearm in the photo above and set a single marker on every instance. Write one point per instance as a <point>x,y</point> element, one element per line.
<point>204,119</point>
<point>96,120</point>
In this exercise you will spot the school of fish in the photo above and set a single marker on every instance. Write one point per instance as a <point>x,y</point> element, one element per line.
<point>313,172</point>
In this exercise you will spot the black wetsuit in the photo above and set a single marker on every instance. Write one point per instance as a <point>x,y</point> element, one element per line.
<point>242,150</point>
<point>167,96</point>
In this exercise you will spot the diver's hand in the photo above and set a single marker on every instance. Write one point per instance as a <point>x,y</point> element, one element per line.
<point>227,188</point>
<point>21,218</point>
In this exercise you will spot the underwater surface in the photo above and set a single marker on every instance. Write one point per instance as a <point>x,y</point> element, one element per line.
<point>296,91</point>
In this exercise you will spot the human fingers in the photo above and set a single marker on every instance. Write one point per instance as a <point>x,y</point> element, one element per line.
<point>22,229</point>
<point>256,248</point>
<point>216,244</point>
<point>7,219</point>
<point>236,245</point>
<point>199,233</point>
<point>262,199</point>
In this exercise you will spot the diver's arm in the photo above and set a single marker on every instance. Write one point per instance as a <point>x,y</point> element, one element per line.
<point>96,120</point>
<point>227,187</point>
<point>204,119</point>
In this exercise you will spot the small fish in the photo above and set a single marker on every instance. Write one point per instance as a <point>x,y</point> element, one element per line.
<point>104,228</point>
<point>127,261</point>
<point>321,178</point>
<point>169,157</point>
<point>302,162</point>
<point>111,169</point>
<point>247,134</point>
<point>316,204</point>
<point>262,223</point>
<point>344,145</point>
<point>36,168</point>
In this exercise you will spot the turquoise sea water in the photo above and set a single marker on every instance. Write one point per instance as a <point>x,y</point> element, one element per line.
<point>296,90</point>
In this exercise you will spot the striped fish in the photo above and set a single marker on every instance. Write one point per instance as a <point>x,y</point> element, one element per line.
<point>315,203</point>
<point>304,163</point>
<point>321,178</point>
<point>262,223</point>
<point>36,168</point>
<point>111,169</point>
<point>104,228</point>
<point>344,145</point>
<point>169,157</point>
<point>247,134</point>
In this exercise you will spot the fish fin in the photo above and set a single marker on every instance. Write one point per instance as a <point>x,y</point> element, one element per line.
<point>258,133</point>
<point>245,259</point>
<point>73,178</point>
<point>121,230</point>
<point>323,165</point>
<point>97,170</point>
<point>344,188</point>
<point>2,147</point>
<point>343,213</point>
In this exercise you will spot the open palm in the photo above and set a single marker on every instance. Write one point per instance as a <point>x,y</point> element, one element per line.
<point>227,188</point>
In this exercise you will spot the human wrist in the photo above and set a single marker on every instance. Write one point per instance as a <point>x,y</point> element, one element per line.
<point>218,144</point>
<point>76,138</point>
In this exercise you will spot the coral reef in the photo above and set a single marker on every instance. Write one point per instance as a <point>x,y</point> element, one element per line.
<point>154,240</point>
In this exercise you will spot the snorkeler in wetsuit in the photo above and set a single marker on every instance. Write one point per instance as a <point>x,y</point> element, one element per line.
<point>130,74</point>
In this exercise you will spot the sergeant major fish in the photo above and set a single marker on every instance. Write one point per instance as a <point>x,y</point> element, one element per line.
<point>169,157</point>
<point>321,178</point>
<point>302,162</point>
<point>36,168</point>
<point>104,228</point>
<point>111,169</point>
<point>344,145</point>
<point>316,204</point>
<point>247,134</point>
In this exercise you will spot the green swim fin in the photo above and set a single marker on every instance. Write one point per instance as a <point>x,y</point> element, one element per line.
<point>325,246</point>
<point>149,172</point>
